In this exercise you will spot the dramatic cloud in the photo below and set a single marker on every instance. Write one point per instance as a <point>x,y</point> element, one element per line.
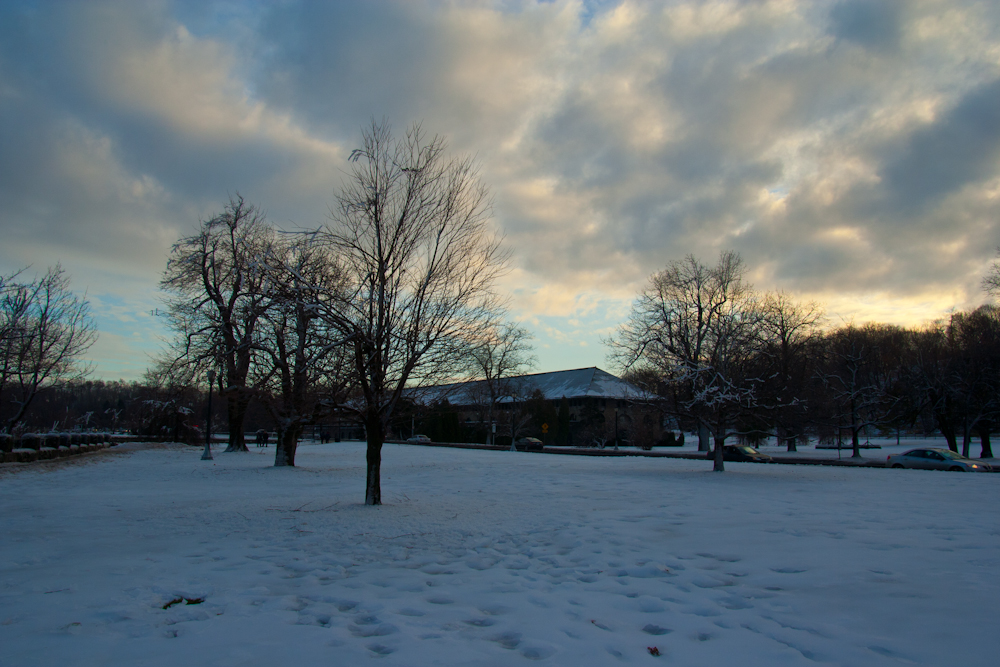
<point>850,151</point>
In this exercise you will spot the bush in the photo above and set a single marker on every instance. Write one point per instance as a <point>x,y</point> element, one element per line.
<point>670,440</point>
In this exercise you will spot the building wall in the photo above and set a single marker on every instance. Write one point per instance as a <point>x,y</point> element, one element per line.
<point>592,419</point>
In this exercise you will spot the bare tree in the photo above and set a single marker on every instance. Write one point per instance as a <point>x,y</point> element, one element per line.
<point>861,364</point>
<point>698,328</point>
<point>411,231</point>
<point>991,281</point>
<point>974,342</point>
<point>791,334</point>
<point>504,352</point>
<point>216,285</point>
<point>44,330</point>
<point>302,371</point>
<point>931,372</point>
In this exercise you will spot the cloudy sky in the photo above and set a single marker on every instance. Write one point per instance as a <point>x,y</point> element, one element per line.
<point>850,151</point>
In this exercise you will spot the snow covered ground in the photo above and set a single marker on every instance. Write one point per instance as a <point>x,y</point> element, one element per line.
<point>492,558</point>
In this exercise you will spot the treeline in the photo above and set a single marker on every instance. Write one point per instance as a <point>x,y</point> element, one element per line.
<point>727,360</point>
<point>178,413</point>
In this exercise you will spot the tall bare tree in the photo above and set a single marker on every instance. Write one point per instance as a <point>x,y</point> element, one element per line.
<point>974,340</point>
<point>504,352</point>
<point>216,289</point>
<point>991,281</point>
<point>860,367</point>
<point>791,337</point>
<point>698,327</point>
<point>411,231</point>
<point>302,369</point>
<point>44,330</point>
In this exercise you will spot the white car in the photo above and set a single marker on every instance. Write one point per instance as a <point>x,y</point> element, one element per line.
<point>418,440</point>
<point>936,458</point>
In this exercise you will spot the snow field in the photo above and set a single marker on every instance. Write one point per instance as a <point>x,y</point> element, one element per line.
<point>492,558</point>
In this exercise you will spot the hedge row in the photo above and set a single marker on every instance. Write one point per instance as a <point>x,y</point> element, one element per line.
<point>41,446</point>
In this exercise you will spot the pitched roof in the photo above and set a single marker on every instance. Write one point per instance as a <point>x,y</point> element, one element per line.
<point>578,383</point>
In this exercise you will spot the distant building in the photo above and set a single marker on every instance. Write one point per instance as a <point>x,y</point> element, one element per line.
<point>597,402</point>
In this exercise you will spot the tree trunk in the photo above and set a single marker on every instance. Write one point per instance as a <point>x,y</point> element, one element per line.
<point>984,439</point>
<point>719,465</point>
<point>780,434</point>
<point>966,438</point>
<point>236,407</point>
<point>703,436</point>
<point>855,429</point>
<point>373,485</point>
<point>947,430</point>
<point>285,448</point>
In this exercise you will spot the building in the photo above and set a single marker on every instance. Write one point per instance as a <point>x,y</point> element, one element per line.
<point>599,405</point>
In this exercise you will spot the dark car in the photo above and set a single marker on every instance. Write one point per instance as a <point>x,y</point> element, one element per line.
<point>741,453</point>
<point>529,445</point>
<point>936,458</point>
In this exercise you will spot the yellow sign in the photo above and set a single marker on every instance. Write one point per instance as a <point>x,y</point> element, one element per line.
<point>545,428</point>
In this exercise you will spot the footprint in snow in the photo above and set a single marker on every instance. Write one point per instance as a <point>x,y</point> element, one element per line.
<point>495,610</point>
<point>438,599</point>
<point>724,559</point>
<point>705,612</point>
<point>735,604</point>
<point>411,612</point>
<point>537,652</point>
<point>373,630</point>
<point>508,640</point>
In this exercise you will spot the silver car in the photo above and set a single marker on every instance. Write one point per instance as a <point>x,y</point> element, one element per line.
<point>936,459</point>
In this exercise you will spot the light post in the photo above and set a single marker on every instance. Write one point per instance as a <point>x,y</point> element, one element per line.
<point>616,428</point>
<point>207,456</point>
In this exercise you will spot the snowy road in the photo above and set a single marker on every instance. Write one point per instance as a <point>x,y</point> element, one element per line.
<point>492,558</point>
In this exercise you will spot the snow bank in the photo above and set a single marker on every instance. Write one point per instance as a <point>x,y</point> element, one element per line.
<point>492,558</point>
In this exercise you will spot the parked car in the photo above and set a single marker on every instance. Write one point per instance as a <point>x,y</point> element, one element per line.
<point>741,453</point>
<point>936,458</point>
<point>529,445</point>
<point>418,440</point>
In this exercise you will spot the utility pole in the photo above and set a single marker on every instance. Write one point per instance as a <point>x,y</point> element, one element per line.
<point>207,456</point>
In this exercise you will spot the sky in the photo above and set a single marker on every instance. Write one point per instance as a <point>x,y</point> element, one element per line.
<point>849,151</point>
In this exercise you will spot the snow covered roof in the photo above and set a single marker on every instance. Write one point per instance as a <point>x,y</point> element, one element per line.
<point>578,383</point>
